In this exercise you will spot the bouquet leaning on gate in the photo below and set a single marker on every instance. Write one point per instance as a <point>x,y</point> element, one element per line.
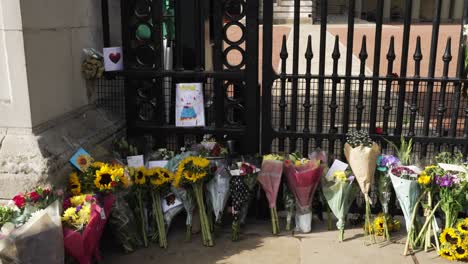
<point>361,153</point>
<point>270,180</point>
<point>303,177</point>
<point>339,189</point>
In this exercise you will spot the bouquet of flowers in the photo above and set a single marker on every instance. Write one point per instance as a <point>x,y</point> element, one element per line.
<point>404,180</point>
<point>194,172</point>
<point>139,178</point>
<point>84,219</point>
<point>454,241</point>
<point>159,180</point>
<point>384,186</point>
<point>303,176</point>
<point>339,189</point>
<point>361,153</point>
<point>242,183</point>
<point>270,180</point>
<point>451,194</point>
<point>26,222</point>
<point>385,223</point>
<point>218,190</point>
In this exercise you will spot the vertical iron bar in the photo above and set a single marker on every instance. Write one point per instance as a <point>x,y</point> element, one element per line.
<point>349,63</point>
<point>157,39</point>
<point>297,6</point>
<point>460,74</point>
<point>321,84</point>
<point>268,75</point>
<point>360,104</point>
<point>218,84</point>
<point>282,102</point>
<point>431,72</point>
<point>333,104</point>
<point>198,35</point>
<point>387,107</point>
<point>252,91</point>
<point>376,68</point>
<point>441,109</point>
<point>403,68</point>
<point>178,37</point>
<point>308,56</point>
<point>414,99</point>
<point>105,22</point>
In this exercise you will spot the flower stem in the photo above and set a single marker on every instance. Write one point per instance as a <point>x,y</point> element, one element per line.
<point>274,222</point>
<point>188,233</point>
<point>205,228</point>
<point>329,221</point>
<point>387,232</point>
<point>157,212</point>
<point>142,216</point>
<point>341,235</point>
<point>411,231</point>
<point>235,230</point>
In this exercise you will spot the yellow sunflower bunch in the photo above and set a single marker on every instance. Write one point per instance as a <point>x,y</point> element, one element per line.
<point>454,242</point>
<point>78,215</point>
<point>159,177</point>
<point>74,184</point>
<point>378,224</point>
<point>139,175</point>
<point>108,177</point>
<point>192,169</point>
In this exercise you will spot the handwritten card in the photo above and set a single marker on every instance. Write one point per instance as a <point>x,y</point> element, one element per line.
<point>81,160</point>
<point>157,163</point>
<point>336,166</point>
<point>135,161</point>
<point>190,110</point>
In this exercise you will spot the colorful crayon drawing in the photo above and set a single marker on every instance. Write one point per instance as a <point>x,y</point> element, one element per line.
<point>189,105</point>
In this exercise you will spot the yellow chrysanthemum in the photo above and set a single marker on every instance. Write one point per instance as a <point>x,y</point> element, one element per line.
<point>447,253</point>
<point>462,226</point>
<point>105,178</point>
<point>140,176</point>
<point>340,176</point>
<point>449,237</point>
<point>78,199</point>
<point>74,184</point>
<point>424,179</point>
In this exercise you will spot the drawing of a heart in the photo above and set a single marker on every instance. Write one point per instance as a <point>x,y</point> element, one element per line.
<point>114,57</point>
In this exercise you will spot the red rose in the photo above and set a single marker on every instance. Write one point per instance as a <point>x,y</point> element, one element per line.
<point>113,184</point>
<point>378,130</point>
<point>246,169</point>
<point>34,196</point>
<point>46,192</point>
<point>19,200</point>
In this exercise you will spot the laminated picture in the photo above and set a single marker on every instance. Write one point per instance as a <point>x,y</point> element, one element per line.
<point>189,105</point>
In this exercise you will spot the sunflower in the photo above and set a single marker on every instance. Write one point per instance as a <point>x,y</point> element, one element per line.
<point>140,176</point>
<point>105,178</point>
<point>447,253</point>
<point>379,225</point>
<point>194,176</point>
<point>160,176</point>
<point>97,164</point>
<point>461,252</point>
<point>74,183</point>
<point>83,161</point>
<point>462,226</point>
<point>449,236</point>
<point>196,168</point>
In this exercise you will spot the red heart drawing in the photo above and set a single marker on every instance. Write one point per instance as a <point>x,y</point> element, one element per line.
<point>114,57</point>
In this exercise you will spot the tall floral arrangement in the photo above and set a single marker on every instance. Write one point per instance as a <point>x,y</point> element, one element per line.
<point>139,177</point>
<point>270,179</point>
<point>361,153</point>
<point>159,181</point>
<point>384,186</point>
<point>194,172</point>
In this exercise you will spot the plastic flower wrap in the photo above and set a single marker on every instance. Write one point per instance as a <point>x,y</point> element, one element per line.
<point>241,186</point>
<point>339,189</point>
<point>361,153</point>
<point>218,189</point>
<point>289,205</point>
<point>139,192</point>
<point>194,172</point>
<point>24,243</point>
<point>384,185</point>
<point>183,194</point>
<point>270,180</point>
<point>303,176</point>
<point>454,241</point>
<point>83,245</point>
<point>159,181</point>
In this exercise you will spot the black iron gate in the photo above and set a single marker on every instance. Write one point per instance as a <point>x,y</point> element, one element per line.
<point>304,111</point>
<point>229,77</point>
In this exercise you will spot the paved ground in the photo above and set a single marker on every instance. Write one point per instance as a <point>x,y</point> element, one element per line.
<point>257,245</point>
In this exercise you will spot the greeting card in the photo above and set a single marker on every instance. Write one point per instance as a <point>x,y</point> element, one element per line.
<point>190,110</point>
<point>113,59</point>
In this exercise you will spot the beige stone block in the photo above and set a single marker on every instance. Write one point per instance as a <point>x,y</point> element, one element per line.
<point>47,14</point>
<point>86,13</point>
<point>10,17</point>
<point>49,59</point>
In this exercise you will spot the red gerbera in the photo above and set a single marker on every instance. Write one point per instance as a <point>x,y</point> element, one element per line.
<point>19,200</point>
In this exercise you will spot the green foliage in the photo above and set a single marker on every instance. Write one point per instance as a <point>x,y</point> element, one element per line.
<point>404,151</point>
<point>7,214</point>
<point>449,158</point>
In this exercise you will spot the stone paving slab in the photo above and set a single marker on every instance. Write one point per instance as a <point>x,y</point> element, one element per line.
<point>257,245</point>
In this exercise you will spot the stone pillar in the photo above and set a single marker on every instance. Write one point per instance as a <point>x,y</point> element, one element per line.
<point>416,10</point>
<point>387,13</point>
<point>445,11</point>
<point>358,8</point>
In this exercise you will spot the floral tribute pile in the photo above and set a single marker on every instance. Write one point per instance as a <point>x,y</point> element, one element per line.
<point>137,197</point>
